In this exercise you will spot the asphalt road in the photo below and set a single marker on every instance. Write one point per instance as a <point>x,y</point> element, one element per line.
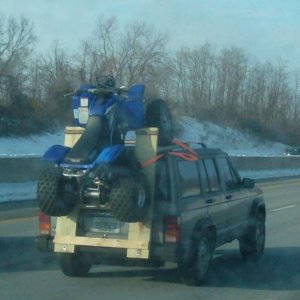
<point>27,274</point>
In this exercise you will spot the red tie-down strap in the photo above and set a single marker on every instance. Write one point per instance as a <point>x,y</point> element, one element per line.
<point>191,155</point>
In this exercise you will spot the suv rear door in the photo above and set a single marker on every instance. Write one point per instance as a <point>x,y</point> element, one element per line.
<point>233,195</point>
<point>217,206</point>
<point>191,198</point>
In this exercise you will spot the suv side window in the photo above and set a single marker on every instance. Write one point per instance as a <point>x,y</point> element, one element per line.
<point>212,176</point>
<point>228,177</point>
<point>162,182</point>
<point>189,178</point>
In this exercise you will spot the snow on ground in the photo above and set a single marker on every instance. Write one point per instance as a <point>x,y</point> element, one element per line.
<point>230,140</point>
<point>29,146</point>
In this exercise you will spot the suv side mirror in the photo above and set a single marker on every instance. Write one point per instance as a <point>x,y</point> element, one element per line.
<point>248,183</point>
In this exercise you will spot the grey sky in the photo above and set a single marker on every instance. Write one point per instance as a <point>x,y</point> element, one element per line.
<point>266,29</point>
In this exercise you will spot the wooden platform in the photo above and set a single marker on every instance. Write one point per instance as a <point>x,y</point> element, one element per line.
<point>139,235</point>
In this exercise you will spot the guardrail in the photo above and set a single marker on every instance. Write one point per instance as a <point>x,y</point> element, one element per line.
<point>22,169</point>
<point>250,163</point>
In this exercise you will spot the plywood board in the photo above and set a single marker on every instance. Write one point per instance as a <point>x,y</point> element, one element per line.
<point>99,242</point>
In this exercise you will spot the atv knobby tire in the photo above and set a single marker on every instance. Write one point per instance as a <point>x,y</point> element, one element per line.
<point>130,198</point>
<point>55,194</point>
<point>158,115</point>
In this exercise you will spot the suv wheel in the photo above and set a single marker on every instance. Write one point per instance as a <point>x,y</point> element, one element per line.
<point>75,264</point>
<point>130,198</point>
<point>195,272</point>
<point>253,243</point>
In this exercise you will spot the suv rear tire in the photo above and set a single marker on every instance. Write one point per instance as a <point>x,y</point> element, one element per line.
<point>195,272</point>
<point>75,264</point>
<point>252,244</point>
<point>130,198</point>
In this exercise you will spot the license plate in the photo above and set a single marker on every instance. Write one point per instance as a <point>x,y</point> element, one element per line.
<point>105,226</point>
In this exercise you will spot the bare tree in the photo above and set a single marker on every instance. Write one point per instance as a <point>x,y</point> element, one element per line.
<point>16,42</point>
<point>135,54</point>
<point>195,71</point>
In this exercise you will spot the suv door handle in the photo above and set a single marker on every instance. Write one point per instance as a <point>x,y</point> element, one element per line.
<point>210,200</point>
<point>227,197</point>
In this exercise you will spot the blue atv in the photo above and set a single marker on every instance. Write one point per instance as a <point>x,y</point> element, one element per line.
<point>99,170</point>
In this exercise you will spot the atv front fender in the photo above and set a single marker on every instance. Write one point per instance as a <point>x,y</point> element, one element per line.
<point>56,154</point>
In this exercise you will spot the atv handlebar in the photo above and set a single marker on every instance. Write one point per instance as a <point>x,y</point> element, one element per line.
<point>95,91</point>
<point>99,91</point>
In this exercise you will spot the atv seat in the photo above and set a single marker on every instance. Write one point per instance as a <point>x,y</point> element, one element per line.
<point>94,138</point>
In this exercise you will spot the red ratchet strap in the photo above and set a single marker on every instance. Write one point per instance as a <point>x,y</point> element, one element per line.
<point>152,160</point>
<point>191,155</point>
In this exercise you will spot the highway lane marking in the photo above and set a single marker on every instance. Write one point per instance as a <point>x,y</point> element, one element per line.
<point>277,185</point>
<point>283,207</point>
<point>10,220</point>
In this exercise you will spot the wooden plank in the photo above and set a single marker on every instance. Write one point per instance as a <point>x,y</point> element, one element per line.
<point>99,242</point>
<point>146,148</point>
<point>72,135</point>
<point>74,130</point>
<point>67,226</point>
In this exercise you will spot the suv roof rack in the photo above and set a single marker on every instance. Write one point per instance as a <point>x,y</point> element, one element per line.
<point>172,147</point>
<point>203,145</point>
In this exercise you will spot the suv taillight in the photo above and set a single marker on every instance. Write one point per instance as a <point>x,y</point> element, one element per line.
<point>171,229</point>
<point>44,223</point>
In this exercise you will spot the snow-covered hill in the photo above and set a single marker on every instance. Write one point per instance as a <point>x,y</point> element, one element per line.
<point>230,140</point>
<point>31,145</point>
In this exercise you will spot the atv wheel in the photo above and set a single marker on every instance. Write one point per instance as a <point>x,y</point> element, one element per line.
<point>55,194</point>
<point>75,264</point>
<point>158,115</point>
<point>129,199</point>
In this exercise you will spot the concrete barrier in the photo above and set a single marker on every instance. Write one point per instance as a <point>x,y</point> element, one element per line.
<point>22,169</point>
<point>266,163</point>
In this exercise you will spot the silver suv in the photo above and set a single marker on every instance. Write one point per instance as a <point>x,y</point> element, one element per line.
<point>198,206</point>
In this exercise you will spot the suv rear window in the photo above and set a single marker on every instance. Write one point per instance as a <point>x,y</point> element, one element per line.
<point>162,182</point>
<point>189,178</point>
<point>228,178</point>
